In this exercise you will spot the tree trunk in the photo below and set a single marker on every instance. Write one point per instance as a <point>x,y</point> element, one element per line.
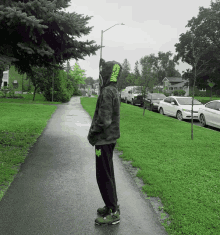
<point>144,109</point>
<point>1,77</point>
<point>35,89</point>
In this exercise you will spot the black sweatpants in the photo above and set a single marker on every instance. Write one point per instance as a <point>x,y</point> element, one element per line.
<point>105,174</point>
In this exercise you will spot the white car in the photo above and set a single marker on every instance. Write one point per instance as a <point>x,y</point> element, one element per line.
<point>210,114</point>
<point>179,107</point>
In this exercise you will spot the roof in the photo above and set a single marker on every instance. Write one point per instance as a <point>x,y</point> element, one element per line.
<point>175,79</point>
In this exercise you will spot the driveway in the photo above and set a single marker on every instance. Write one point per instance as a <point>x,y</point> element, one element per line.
<point>55,191</point>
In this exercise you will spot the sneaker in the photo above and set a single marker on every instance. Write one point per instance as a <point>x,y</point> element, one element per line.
<point>104,210</point>
<point>109,218</point>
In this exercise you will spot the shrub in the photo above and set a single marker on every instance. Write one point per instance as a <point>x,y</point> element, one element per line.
<point>78,93</point>
<point>202,93</point>
<point>179,92</point>
<point>166,93</point>
<point>11,91</point>
<point>4,91</point>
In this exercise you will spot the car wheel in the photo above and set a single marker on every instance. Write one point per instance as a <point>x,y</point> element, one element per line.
<point>179,116</point>
<point>202,120</point>
<point>161,111</point>
<point>132,103</point>
<point>151,108</point>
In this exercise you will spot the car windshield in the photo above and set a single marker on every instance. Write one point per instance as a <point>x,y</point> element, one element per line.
<point>137,90</point>
<point>158,96</point>
<point>188,101</point>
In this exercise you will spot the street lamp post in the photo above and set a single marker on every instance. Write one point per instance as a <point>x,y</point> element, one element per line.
<point>103,46</point>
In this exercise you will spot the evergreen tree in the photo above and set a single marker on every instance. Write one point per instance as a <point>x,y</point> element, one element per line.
<point>123,81</point>
<point>39,33</point>
<point>148,78</point>
<point>136,71</point>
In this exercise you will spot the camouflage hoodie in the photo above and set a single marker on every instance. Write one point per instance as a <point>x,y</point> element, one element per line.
<point>106,120</point>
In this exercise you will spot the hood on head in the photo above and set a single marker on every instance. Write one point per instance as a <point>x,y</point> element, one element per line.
<point>109,73</point>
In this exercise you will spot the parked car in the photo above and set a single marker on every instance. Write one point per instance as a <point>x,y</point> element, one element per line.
<point>124,93</point>
<point>179,107</point>
<point>210,114</point>
<point>130,93</point>
<point>138,100</point>
<point>152,101</point>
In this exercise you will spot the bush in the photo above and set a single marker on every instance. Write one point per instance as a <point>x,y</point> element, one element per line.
<point>179,92</point>
<point>4,91</point>
<point>166,93</point>
<point>11,91</point>
<point>63,96</point>
<point>202,93</point>
<point>198,93</point>
<point>78,93</point>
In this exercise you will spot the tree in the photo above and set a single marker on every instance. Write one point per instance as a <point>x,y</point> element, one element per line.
<point>206,30</point>
<point>89,81</point>
<point>163,66</point>
<point>77,75</point>
<point>39,76</point>
<point>136,72</point>
<point>131,79</point>
<point>123,82</point>
<point>195,57</point>
<point>39,33</point>
<point>68,68</point>
<point>148,78</point>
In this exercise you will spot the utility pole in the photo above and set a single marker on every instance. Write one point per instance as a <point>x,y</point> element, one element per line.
<point>101,51</point>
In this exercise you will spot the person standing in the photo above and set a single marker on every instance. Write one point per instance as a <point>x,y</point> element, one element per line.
<point>103,134</point>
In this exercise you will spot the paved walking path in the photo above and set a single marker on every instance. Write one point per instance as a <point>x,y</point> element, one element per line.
<point>56,193</point>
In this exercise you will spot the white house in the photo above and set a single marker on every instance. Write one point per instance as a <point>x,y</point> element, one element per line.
<point>5,79</point>
<point>170,84</point>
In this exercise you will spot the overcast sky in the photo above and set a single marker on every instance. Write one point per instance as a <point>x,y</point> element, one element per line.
<point>150,27</point>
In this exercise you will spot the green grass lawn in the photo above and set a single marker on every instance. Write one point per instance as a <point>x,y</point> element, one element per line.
<point>184,173</point>
<point>21,124</point>
<point>28,99</point>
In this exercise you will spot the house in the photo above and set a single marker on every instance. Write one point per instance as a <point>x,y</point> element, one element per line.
<point>11,76</point>
<point>170,84</point>
<point>5,79</point>
<point>96,85</point>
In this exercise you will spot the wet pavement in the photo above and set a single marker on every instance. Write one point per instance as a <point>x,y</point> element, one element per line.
<point>55,191</point>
